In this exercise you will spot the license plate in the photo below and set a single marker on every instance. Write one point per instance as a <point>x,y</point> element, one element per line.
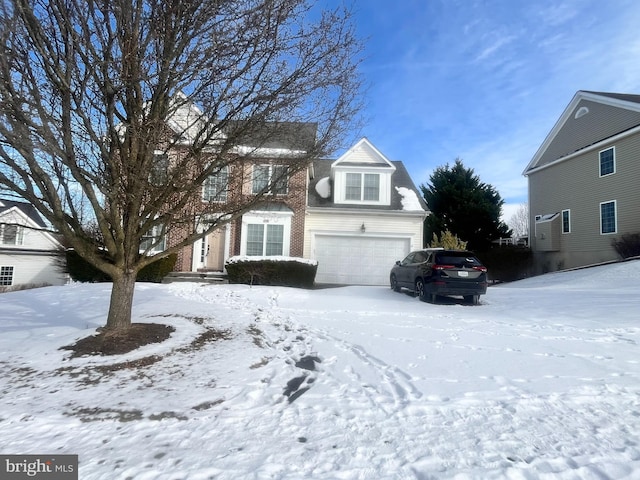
<point>463,274</point>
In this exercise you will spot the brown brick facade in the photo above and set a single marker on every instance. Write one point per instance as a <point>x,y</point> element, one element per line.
<point>240,181</point>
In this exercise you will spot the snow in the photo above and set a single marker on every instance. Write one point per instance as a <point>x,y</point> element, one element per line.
<point>323,187</point>
<point>271,258</point>
<point>409,199</point>
<point>539,381</point>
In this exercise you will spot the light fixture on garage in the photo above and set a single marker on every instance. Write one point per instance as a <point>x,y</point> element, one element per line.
<point>363,228</point>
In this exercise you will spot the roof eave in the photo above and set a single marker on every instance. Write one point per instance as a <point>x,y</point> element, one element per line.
<point>566,114</point>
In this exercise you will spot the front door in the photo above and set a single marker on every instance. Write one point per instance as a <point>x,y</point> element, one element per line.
<point>215,251</point>
<point>209,252</point>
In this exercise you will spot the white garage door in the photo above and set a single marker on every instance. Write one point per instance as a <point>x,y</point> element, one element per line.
<point>357,260</point>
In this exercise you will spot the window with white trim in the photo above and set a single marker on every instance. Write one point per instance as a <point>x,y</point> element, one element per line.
<point>362,187</point>
<point>266,233</point>
<point>608,220</point>
<point>216,186</point>
<point>566,221</point>
<point>6,276</point>
<point>271,179</point>
<point>153,241</point>
<point>265,239</point>
<point>11,234</point>
<point>607,161</point>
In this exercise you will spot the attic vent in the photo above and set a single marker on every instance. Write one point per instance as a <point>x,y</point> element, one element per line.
<point>582,111</point>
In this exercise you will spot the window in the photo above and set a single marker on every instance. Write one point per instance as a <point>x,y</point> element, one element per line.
<point>566,221</point>
<point>271,179</point>
<point>608,222</point>
<point>160,168</point>
<point>216,186</point>
<point>265,240</point>
<point>371,190</point>
<point>11,234</point>
<point>6,276</point>
<point>362,187</point>
<point>153,241</point>
<point>352,191</point>
<point>607,161</point>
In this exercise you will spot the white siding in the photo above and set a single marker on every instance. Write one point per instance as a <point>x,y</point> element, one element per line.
<point>34,260</point>
<point>32,268</point>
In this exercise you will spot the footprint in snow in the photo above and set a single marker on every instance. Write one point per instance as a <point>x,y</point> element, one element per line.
<point>299,385</point>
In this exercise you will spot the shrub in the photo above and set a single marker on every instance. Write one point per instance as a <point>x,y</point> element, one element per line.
<point>507,263</point>
<point>628,245</point>
<point>156,271</point>
<point>82,271</point>
<point>279,271</point>
<point>447,240</point>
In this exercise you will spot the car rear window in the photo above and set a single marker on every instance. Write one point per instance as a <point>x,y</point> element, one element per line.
<point>457,260</point>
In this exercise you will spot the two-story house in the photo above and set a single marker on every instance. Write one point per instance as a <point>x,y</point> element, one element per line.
<point>274,226</point>
<point>583,182</point>
<point>363,214</point>
<point>356,215</point>
<point>29,254</point>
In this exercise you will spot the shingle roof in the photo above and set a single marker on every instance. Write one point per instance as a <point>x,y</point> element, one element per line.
<point>627,97</point>
<point>400,178</point>
<point>28,209</point>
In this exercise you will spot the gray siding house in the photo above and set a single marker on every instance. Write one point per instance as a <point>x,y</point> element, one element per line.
<point>584,182</point>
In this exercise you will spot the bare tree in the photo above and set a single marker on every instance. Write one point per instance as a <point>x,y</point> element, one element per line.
<point>89,87</point>
<point>519,221</point>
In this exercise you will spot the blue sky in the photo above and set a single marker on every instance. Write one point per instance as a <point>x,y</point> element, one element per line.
<point>486,80</point>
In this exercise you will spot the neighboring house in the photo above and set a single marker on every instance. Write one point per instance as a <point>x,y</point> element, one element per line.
<point>28,253</point>
<point>363,214</point>
<point>584,182</point>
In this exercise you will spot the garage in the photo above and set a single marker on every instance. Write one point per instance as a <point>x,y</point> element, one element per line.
<point>357,259</point>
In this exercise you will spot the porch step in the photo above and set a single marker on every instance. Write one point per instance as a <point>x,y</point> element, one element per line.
<point>197,277</point>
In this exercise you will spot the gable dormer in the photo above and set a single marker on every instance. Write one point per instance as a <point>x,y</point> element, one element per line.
<point>362,176</point>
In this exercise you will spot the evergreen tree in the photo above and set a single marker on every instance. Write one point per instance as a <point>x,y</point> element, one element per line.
<point>465,206</point>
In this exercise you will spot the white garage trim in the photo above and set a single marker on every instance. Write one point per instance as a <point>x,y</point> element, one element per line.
<point>360,259</point>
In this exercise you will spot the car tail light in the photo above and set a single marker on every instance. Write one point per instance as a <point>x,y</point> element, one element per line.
<point>442,267</point>
<point>480,269</point>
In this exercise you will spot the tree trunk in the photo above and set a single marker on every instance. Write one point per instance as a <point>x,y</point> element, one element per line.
<point>119,317</point>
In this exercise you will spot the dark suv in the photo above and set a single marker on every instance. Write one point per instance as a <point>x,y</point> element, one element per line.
<point>436,271</point>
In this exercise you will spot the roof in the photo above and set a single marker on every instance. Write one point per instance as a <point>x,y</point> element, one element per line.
<point>625,97</point>
<point>590,119</point>
<point>399,179</point>
<point>26,208</point>
<point>188,121</point>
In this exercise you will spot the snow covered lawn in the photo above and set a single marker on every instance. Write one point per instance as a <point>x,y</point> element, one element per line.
<point>540,381</point>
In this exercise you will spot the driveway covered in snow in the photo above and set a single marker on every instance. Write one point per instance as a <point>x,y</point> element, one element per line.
<point>540,381</point>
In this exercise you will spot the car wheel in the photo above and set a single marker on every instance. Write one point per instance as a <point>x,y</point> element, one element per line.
<point>472,299</point>
<point>420,293</point>
<point>394,284</point>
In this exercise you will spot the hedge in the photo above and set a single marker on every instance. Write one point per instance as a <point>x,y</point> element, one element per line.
<point>507,263</point>
<point>82,271</point>
<point>285,271</point>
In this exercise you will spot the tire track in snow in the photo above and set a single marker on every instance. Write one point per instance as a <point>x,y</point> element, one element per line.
<point>400,390</point>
